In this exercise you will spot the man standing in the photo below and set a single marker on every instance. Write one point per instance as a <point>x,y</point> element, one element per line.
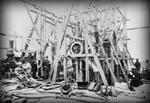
<point>147,65</point>
<point>60,70</point>
<point>137,64</point>
<point>10,66</point>
<point>69,67</point>
<point>34,66</point>
<point>96,35</point>
<point>147,69</point>
<point>46,66</point>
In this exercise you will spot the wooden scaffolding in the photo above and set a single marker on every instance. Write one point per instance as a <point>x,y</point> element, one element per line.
<point>93,36</point>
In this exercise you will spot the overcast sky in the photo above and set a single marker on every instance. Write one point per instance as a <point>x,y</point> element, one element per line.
<point>138,13</point>
<point>15,20</point>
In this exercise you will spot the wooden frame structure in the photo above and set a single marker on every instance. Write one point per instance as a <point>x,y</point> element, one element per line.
<point>108,25</point>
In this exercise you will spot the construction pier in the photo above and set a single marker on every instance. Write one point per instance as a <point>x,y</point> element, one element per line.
<point>77,54</point>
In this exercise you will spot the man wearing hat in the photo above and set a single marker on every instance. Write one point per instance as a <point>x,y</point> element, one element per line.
<point>135,79</point>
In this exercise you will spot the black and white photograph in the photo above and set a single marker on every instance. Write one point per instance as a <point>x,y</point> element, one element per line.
<point>70,51</point>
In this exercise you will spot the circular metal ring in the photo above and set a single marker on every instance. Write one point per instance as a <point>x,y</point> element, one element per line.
<point>76,47</point>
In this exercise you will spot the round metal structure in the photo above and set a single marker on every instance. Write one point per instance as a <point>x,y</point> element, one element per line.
<point>76,47</point>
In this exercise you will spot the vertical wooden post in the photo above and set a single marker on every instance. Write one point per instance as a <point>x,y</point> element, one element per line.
<point>77,72</point>
<point>65,60</point>
<point>86,63</point>
<point>112,60</point>
<point>41,43</point>
<point>65,69</point>
<point>112,64</point>
<point>80,72</point>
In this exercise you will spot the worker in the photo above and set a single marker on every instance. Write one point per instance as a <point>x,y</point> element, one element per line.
<point>146,70</point>
<point>96,35</point>
<point>66,89</point>
<point>34,67</point>
<point>147,65</point>
<point>74,63</point>
<point>107,47</point>
<point>46,67</point>
<point>114,38</point>
<point>135,79</point>
<point>2,67</point>
<point>60,70</point>
<point>137,64</point>
<point>70,69</point>
<point>10,66</point>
